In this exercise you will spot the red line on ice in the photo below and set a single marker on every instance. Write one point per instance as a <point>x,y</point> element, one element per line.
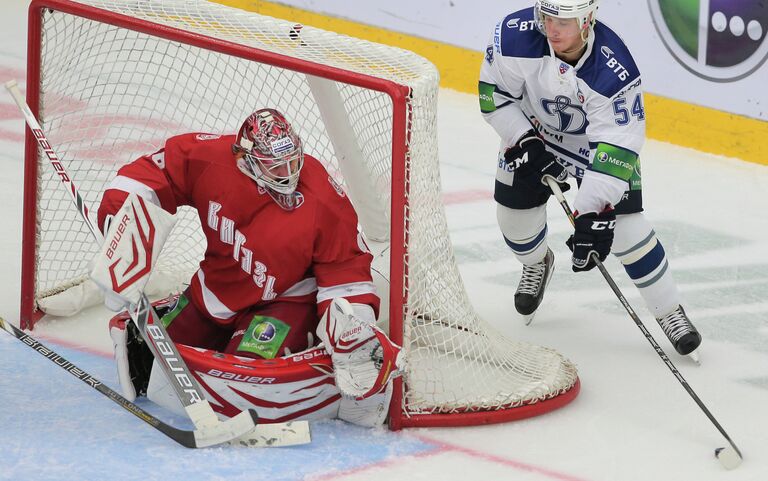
<point>442,447</point>
<point>71,345</point>
<point>381,464</point>
<point>11,136</point>
<point>10,73</point>
<point>9,111</point>
<point>466,196</point>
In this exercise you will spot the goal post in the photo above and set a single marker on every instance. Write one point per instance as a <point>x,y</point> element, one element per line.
<point>110,80</point>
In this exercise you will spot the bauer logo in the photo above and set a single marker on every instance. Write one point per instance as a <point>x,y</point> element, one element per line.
<point>719,40</point>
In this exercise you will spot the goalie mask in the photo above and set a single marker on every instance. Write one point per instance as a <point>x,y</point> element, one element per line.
<point>584,11</point>
<point>273,155</point>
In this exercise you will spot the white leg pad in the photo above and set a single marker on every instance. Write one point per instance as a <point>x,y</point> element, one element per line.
<point>370,412</point>
<point>119,337</point>
<point>160,391</point>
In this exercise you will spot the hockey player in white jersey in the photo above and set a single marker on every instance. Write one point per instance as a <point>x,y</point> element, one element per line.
<point>564,94</point>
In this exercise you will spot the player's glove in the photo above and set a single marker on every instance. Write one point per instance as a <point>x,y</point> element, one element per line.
<point>593,233</point>
<point>531,161</point>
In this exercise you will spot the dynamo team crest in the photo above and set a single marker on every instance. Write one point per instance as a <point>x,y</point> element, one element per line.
<point>719,40</point>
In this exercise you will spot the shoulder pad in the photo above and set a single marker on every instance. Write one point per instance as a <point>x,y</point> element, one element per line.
<point>610,66</point>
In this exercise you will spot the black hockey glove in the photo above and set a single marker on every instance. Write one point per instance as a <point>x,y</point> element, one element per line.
<point>531,161</point>
<point>593,233</point>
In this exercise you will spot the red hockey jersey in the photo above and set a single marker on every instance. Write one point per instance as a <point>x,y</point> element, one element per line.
<point>256,251</point>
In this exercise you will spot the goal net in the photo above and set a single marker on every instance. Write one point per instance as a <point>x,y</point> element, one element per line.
<point>110,80</point>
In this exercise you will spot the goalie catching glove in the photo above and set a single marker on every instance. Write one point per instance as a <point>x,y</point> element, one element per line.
<point>364,359</point>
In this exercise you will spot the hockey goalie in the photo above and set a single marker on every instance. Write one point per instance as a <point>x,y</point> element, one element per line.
<point>280,316</point>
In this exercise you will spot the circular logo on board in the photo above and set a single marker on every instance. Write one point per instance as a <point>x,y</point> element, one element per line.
<point>719,40</point>
<point>264,332</point>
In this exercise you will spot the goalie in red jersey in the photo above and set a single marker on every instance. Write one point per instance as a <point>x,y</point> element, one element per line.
<point>285,268</point>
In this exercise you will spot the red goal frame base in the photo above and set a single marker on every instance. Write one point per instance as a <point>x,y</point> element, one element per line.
<point>479,418</point>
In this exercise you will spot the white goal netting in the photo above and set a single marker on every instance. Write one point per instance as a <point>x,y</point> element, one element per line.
<point>112,90</point>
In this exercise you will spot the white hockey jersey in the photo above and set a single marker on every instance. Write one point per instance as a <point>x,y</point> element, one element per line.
<point>590,115</point>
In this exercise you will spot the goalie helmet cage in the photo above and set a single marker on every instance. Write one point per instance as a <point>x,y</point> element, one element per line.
<point>110,80</point>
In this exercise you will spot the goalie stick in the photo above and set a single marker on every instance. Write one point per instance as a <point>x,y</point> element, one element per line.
<point>730,457</point>
<point>164,350</point>
<point>264,434</point>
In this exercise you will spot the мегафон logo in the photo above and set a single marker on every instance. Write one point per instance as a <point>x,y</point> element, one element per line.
<point>719,40</point>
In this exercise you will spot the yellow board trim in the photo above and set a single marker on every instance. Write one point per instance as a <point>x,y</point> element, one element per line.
<point>668,120</point>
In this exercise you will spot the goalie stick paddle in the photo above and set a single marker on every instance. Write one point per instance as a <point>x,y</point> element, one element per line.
<point>730,457</point>
<point>164,350</point>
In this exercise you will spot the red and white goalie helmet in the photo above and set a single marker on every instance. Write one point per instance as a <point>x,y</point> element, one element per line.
<point>585,11</point>
<point>273,151</point>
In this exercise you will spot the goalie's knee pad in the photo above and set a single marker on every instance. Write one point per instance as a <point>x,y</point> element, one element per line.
<point>364,359</point>
<point>133,357</point>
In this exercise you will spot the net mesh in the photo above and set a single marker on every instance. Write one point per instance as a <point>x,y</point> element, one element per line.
<point>110,94</point>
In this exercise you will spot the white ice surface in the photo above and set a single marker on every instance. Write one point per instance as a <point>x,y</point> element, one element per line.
<point>631,421</point>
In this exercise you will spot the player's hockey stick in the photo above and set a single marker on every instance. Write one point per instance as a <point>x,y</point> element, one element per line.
<point>730,457</point>
<point>164,350</point>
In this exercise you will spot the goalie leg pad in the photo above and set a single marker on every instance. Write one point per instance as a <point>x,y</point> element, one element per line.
<point>133,357</point>
<point>368,413</point>
<point>365,360</point>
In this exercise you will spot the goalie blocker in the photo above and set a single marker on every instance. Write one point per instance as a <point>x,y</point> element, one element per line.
<point>300,386</point>
<point>134,238</point>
